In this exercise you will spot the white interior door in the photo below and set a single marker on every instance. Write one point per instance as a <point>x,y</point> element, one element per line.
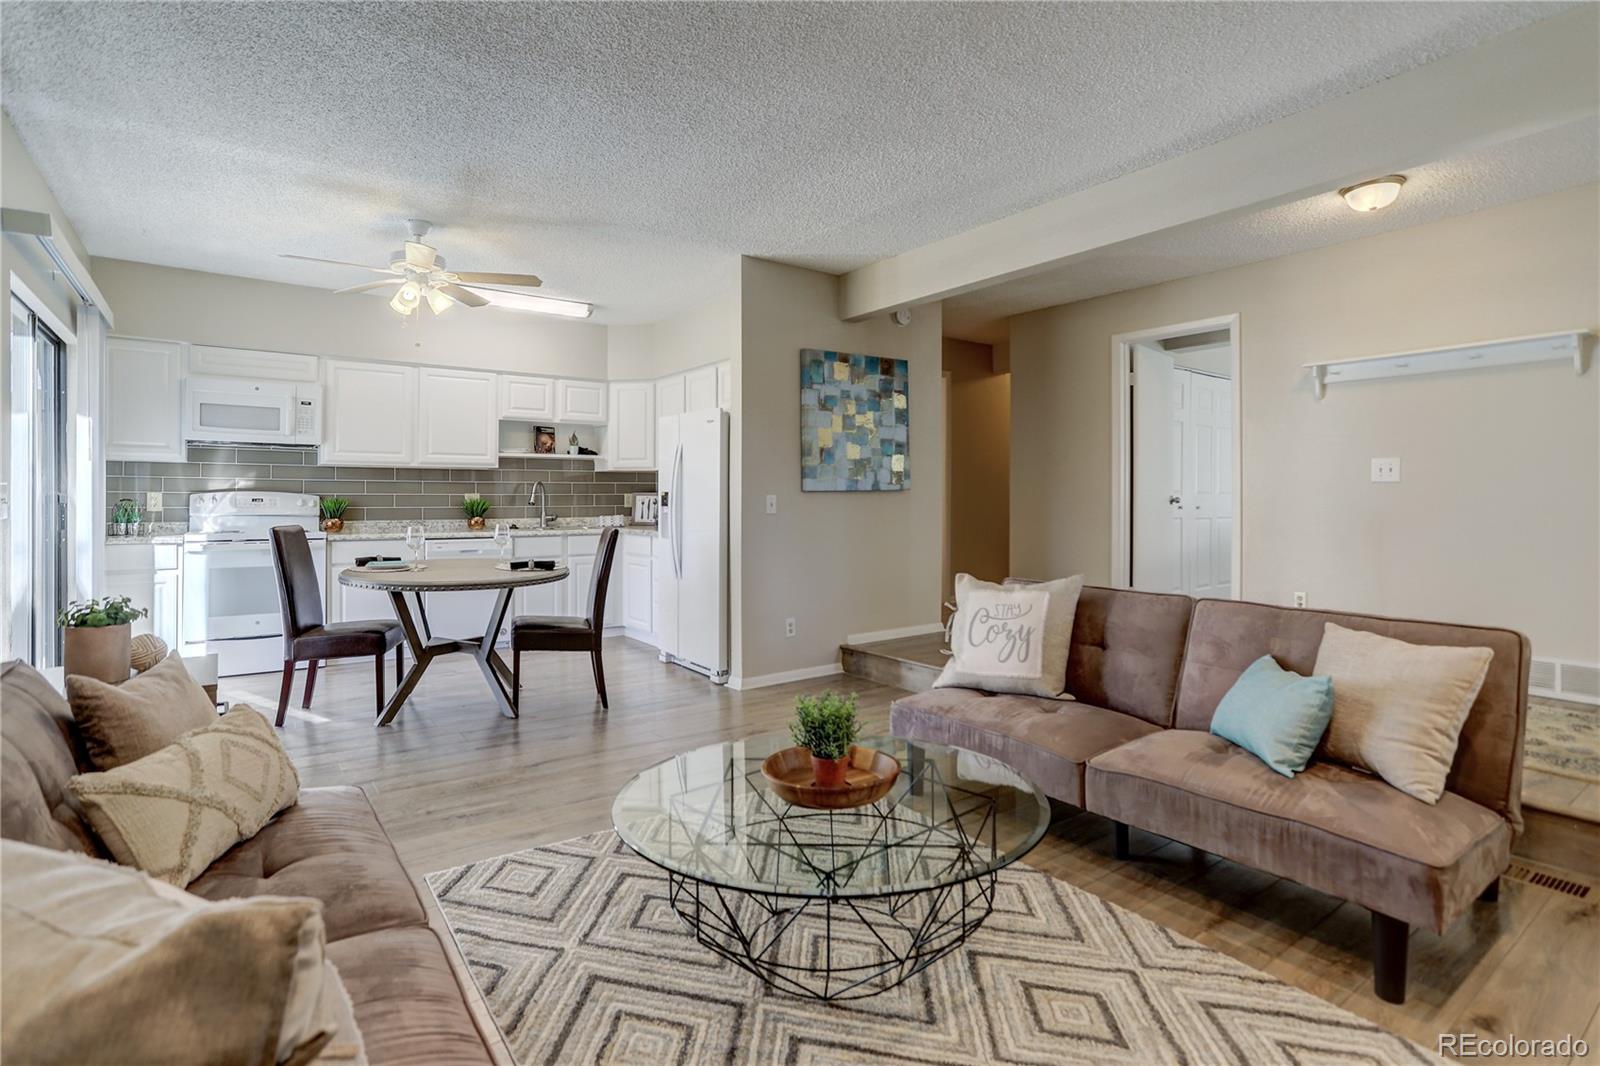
<point>1158,444</point>
<point>1207,485</point>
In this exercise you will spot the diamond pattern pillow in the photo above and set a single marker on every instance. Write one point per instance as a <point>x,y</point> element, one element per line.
<point>172,813</point>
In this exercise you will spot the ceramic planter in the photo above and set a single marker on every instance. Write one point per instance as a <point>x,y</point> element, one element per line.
<point>332,525</point>
<point>829,773</point>
<point>100,652</point>
<point>475,523</point>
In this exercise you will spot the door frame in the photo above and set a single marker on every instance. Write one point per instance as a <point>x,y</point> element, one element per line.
<point>1122,453</point>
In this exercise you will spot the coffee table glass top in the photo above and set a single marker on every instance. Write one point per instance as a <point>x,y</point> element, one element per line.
<point>951,816</point>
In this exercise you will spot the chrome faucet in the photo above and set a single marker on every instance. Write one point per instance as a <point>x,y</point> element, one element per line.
<point>541,498</point>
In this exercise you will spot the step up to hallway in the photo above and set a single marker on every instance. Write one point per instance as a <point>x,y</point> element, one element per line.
<point>911,663</point>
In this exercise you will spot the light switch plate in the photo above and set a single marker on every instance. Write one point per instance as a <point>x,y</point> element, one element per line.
<point>1386,470</point>
<point>772,505</point>
<point>152,501</point>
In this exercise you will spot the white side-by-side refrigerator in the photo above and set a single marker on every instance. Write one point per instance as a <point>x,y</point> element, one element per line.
<point>691,564</point>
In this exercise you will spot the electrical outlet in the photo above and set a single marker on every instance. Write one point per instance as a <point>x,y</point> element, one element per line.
<point>788,627</point>
<point>1299,599</point>
<point>772,505</point>
<point>1386,470</point>
<point>152,501</point>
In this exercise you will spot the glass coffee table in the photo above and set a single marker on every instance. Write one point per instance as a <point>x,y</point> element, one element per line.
<point>831,904</point>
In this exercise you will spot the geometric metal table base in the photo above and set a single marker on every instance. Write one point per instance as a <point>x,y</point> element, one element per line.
<point>833,948</point>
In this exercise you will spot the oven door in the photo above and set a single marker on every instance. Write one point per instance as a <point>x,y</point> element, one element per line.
<point>226,411</point>
<point>230,591</point>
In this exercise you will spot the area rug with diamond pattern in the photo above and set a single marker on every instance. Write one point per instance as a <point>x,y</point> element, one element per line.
<point>581,958</point>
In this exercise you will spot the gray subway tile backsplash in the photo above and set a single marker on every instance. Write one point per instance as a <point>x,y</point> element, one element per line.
<point>575,489</point>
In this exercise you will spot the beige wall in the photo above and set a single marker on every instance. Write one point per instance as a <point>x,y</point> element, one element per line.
<point>837,562</point>
<point>1497,517</point>
<point>979,447</point>
<point>204,308</point>
<point>706,333</point>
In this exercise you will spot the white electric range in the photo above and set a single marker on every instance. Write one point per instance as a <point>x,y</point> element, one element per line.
<point>230,587</point>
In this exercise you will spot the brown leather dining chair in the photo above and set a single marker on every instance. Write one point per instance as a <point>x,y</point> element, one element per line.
<point>306,638</point>
<point>551,633</point>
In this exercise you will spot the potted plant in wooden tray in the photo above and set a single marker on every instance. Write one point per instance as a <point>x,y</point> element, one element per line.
<point>475,507</point>
<point>98,633</point>
<point>826,726</point>
<point>333,509</point>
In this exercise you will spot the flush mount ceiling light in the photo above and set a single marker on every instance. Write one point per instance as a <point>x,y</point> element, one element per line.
<point>1373,195</point>
<point>419,271</point>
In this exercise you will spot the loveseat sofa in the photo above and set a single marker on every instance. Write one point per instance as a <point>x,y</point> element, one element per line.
<point>329,846</point>
<point>1147,672</point>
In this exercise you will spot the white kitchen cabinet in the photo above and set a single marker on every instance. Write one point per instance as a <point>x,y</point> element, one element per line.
<point>637,587</point>
<point>581,402</point>
<point>550,599</point>
<point>725,386</point>
<point>148,574</point>
<point>581,562</point>
<point>144,400</point>
<point>213,361</point>
<point>371,414</point>
<point>700,389</point>
<point>346,604</point>
<point>670,397</point>
<point>456,423</point>
<point>631,432</point>
<point>527,399</point>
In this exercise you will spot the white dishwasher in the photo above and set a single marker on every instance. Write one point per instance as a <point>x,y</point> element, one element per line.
<point>463,614</point>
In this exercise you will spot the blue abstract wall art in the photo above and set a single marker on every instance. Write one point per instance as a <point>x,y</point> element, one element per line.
<point>855,415</point>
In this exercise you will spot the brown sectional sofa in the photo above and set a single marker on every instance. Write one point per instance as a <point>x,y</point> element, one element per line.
<point>1148,671</point>
<point>329,846</point>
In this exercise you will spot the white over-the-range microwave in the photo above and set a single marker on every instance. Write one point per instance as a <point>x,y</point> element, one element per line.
<point>247,411</point>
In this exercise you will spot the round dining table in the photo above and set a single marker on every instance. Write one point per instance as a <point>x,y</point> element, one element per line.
<point>449,575</point>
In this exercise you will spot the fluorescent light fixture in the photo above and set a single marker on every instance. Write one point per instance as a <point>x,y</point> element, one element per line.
<point>440,302</point>
<point>1373,195</point>
<point>544,305</point>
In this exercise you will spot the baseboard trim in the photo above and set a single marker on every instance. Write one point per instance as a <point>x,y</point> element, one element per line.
<point>805,673</point>
<point>894,634</point>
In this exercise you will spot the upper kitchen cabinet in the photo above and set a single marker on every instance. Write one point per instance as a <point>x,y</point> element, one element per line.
<point>213,361</point>
<point>456,423</point>
<point>581,402</point>
<point>670,397</point>
<point>369,416</point>
<point>527,399</point>
<point>144,400</point>
<point>700,389</point>
<point>631,434</point>
<point>725,386</point>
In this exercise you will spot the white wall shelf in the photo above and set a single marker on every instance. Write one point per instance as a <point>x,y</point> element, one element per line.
<point>1539,348</point>
<point>548,455</point>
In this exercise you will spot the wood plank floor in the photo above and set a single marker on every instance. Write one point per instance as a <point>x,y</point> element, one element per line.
<point>454,782</point>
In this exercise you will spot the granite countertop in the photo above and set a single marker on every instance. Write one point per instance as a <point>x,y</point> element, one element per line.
<point>438,529</point>
<point>153,533</point>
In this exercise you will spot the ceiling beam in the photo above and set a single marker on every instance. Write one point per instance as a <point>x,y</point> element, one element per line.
<point>1520,83</point>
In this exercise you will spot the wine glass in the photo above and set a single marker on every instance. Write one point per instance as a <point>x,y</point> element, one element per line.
<point>502,540</point>
<point>416,539</point>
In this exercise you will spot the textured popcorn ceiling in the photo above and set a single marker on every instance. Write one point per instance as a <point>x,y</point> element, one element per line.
<point>627,152</point>
<point>1515,170</point>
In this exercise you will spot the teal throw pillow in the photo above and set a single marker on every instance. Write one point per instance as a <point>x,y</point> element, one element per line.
<point>1276,715</point>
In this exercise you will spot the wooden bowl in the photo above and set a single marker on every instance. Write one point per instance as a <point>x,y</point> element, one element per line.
<point>869,778</point>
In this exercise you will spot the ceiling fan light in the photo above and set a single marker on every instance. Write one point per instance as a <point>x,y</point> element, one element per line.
<point>439,301</point>
<point>406,300</point>
<point>1373,195</point>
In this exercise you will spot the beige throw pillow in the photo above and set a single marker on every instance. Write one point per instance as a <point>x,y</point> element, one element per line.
<point>1012,638</point>
<point>1398,708</point>
<point>173,813</point>
<point>121,723</point>
<point>102,964</point>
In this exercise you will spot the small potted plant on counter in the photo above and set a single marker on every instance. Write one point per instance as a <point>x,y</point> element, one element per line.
<point>476,507</point>
<point>125,519</point>
<point>333,509</point>
<point>98,634</point>
<point>826,726</point>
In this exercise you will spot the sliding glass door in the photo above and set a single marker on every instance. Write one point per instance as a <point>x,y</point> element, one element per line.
<point>37,460</point>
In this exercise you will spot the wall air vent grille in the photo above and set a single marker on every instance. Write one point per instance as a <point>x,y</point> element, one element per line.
<point>1580,680</point>
<point>1543,675</point>
<point>1560,679</point>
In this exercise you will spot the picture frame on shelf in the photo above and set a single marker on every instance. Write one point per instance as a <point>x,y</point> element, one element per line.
<point>544,440</point>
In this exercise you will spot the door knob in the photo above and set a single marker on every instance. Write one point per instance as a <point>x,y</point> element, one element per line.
<point>1174,499</point>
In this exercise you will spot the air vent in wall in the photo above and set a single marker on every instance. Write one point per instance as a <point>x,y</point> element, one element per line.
<point>1559,679</point>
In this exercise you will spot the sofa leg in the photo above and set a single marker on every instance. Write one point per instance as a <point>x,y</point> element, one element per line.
<point>1389,938</point>
<point>1492,893</point>
<point>1119,840</point>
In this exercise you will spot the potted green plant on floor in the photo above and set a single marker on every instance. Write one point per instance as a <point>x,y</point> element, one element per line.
<point>97,636</point>
<point>475,507</point>
<point>826,726</point>
<point>333,509</point>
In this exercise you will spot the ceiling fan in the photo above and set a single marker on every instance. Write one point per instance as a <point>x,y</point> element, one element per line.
<point>421,276</point>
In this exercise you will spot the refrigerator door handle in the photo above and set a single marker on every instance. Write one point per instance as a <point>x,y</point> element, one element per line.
<point>677,520</point>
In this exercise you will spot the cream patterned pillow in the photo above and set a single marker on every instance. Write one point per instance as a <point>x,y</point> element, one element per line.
<point>173,813</point>
<point>1398,708</point>
<point>1012,638</point>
